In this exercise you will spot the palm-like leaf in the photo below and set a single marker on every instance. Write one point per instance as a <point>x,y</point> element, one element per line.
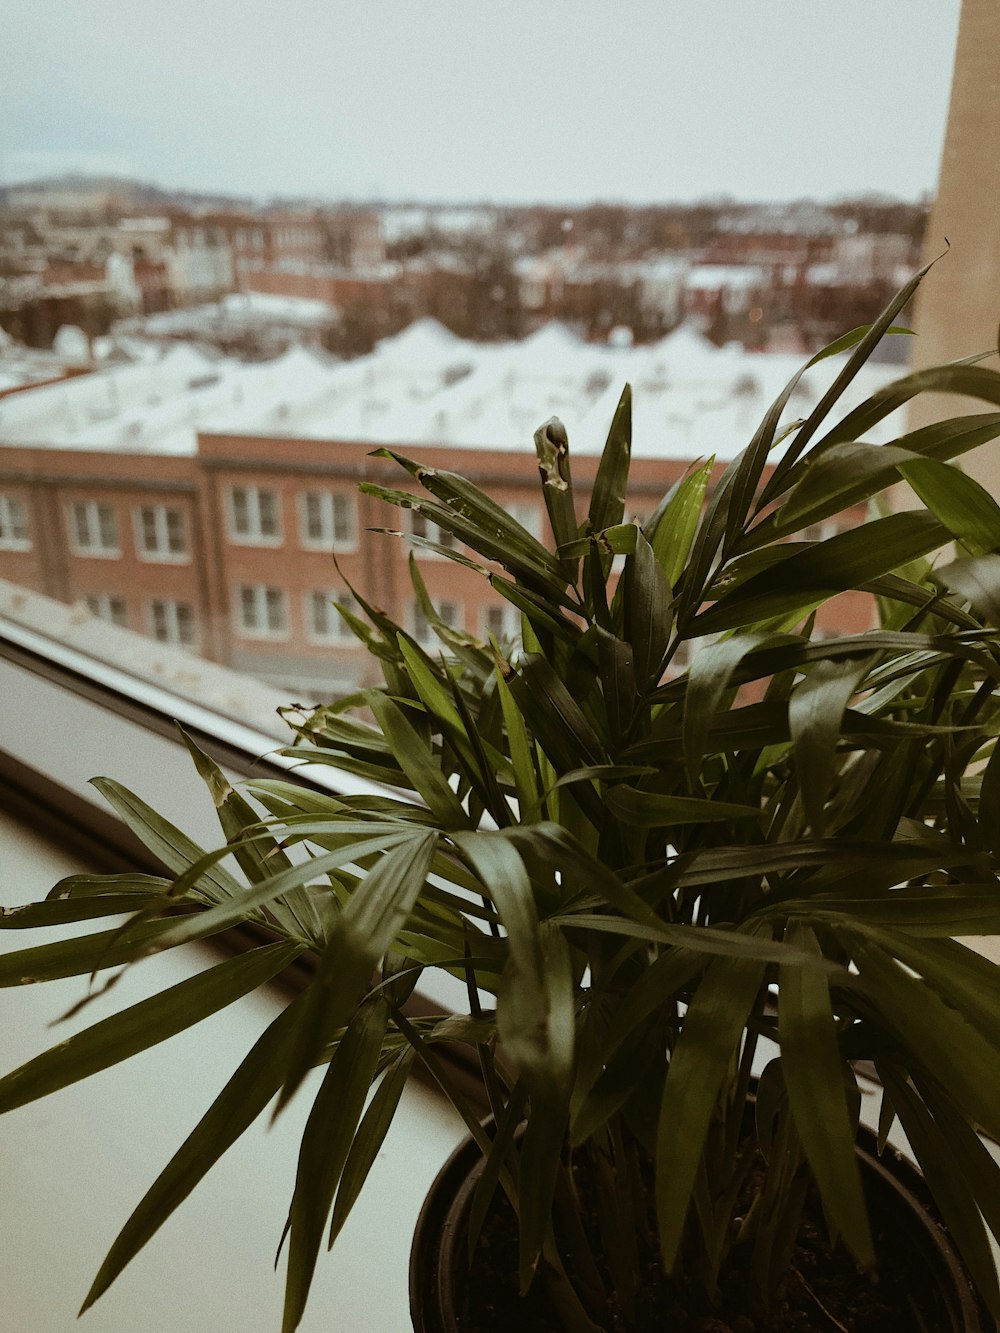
<point>629,856</point>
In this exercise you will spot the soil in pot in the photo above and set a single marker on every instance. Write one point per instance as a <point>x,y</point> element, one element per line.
<point>920,1286</point>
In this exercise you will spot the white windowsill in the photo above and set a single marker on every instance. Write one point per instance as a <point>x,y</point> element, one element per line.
<point>77,1164</point>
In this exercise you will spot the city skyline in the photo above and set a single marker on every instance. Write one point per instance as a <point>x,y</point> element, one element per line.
<point>659,103</point>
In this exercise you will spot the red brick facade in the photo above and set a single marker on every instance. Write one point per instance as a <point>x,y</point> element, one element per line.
<point>256,521</point>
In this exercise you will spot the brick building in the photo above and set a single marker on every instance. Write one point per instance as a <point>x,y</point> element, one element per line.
<point>230,516</point>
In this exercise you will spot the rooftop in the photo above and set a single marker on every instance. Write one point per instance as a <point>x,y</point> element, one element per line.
<point>425,386</point>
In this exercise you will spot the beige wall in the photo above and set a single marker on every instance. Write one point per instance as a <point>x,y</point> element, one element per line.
<point>958,305</point>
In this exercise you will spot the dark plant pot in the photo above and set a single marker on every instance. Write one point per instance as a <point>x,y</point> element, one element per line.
<point>893,1185</point>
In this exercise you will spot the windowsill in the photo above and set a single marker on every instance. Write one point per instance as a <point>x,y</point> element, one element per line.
<point>274,543</point>
<point>329,547</point>
<point>79,1162</point>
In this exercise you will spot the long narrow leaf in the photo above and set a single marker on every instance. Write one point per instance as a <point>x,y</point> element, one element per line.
<point>362,934</point>
<point>260,858</point>
<point>710,1039</point>
<point>607,499</point>
<point>417,761</point>
<point>369,1138</point>
<point>326,1142</point>
<point>62,911</point>
<point>815,719</point>
<point>239,1104</point>
<point>966,509</point>
<point>174,848</point>
<point>87,953</point>
<point>143,1025</point>
<point>949,1185</point>
<point>814,1077</point>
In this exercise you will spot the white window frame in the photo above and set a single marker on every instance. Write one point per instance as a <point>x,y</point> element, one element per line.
<point>262,598</point>
<point>339,634</point>
<point>255,535</point>
<point>13,521</point>
<point>172,610</point>
<point>432,533</point>
<point>821,532</point>
<point>528,514</point>
<point>329,501</point>
<point>108,606</point>
<point>511,629</point>
<point>92,509</point>
<point>452,613</point>
<point>161,553</point>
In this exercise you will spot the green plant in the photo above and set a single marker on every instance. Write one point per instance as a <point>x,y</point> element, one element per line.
<point>652,871</point>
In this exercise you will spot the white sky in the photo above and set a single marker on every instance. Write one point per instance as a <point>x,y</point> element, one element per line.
<point>519,100</point>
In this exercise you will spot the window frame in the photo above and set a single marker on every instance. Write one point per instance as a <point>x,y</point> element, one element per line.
<point>172,606</point>
<point>433,533</point>
<point>93,509</point>
<point>8,504</point>
<point>509,611</point>
<point>161,556</point>
<point>258,633</point>
<point>518,509</point>
<point>328,503</point>
<point>342,636</point>
<point>257,537</point>
<point>104,605</point>
<point>418,622</point>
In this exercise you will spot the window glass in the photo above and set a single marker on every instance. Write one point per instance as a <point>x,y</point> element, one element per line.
<point>254,515</point>
<point>173,622</point>
<point>267,503</point>
<point>161,532</point>
<point>528,515</point>
<point>107,606</point>
<point>423,631</point>
<point>503,621</point>
<point>107,525</point>
<point>13,524</point>
<point>426,528</point>
<point>327,519</point>
<point>176,535</point>
<point>324,623</point>
<point>94,528</point>
<point>261,611</point>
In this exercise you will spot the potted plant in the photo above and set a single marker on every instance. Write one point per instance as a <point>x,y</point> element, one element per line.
<point>655,883</point>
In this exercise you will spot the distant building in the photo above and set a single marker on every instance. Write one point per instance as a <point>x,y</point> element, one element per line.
<point>215,505</point>
<point>250,324</point>
<point>200,259</point>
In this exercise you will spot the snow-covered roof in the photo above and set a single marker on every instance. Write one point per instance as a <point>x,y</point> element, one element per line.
<point>423,341</point>
<point>685,343</point>
<point>713,277</point>
<point>427,387</point>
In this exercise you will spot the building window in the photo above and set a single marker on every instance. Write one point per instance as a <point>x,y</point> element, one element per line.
<point>528,515</point>
<point>160,533</point>
<point>13,525</point>
<point>107,606</point>
<point>503,621</point>
<point>93,529</point>
<point>324,623</point>
<point>821,532</point>
<point>327,520</point>
<point>261,611</point>
<point>254,517</point>
<point>423,631</point>
<point>172,622</point>
<point>423,527</point>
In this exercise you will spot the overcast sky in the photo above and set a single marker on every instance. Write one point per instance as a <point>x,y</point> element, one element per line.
<point>524,100</point>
